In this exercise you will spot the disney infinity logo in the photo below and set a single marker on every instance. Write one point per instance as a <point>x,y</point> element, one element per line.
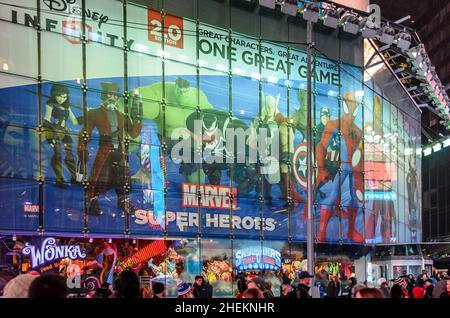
<point>49,252</point>
<point>71,7</point>
<point>58,5</point>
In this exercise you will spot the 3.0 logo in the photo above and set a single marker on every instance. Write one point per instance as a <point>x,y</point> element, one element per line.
<point>172,31</point>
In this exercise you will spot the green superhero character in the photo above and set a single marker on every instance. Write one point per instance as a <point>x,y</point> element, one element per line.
<point>181,100</point>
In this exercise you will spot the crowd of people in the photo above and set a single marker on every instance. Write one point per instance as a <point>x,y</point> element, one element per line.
<point>326,285</point>
<point>128,285</point>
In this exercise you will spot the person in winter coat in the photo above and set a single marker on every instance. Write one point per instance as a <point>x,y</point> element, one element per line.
<point>303,286</point>
<point>333,287</point>
<point>352,282</point>
<point>428,285</point>
<point>202,289</point>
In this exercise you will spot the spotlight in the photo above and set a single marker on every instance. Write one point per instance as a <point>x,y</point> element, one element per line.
<point>14,238</point>
<point>91,240</point>
<point>403,40</point>
<point>310,11</point>
<point>350,23</point>
<point>387,34</point>
<point>366,31</point>
<point>446,142</point>
<point>437,147</point>
<point>267,3</point>
<point>331,17</point>
<point>110,241</point>
<point>290,7</point>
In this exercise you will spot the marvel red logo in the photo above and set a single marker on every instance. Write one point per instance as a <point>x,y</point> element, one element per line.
<point>72,31</point>
<point>31,208</point>
<point>211,196</point>
<point>172,31</point>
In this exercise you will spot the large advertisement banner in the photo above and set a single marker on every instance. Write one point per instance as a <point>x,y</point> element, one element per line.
<point>187,127</point>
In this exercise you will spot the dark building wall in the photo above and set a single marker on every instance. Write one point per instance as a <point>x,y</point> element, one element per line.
<point>435,33</point>
<point>431,19</point>
<point>436,196</point>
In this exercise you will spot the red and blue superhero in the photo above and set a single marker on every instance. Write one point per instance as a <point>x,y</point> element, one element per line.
<point>328,152</point>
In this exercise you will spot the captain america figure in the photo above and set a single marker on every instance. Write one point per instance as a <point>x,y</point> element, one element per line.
<point>328,152</point>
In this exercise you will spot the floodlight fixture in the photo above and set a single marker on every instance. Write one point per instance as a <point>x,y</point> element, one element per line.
<point>331,17</point>
<point>267,3</point>
<point>403,40</point>
<point>310,11</point>
<point>427,151</point>
<point>366,31</point>
<point>437,147</point>
<point>290,7</point>
<point>387,34</point>
<point>350,22</point>
<point>446,143</point>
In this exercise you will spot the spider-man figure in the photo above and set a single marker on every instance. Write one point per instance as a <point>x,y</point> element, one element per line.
<point>350,169</point>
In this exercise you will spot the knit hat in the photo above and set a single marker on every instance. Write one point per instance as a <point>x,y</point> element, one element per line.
<point>304,275</point>
<point>157,288</point>
<point>183,288</point>
<point>398,281</point>
<point>18,287</point>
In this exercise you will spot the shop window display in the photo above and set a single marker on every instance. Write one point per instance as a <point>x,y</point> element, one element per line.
<point>217,266</point>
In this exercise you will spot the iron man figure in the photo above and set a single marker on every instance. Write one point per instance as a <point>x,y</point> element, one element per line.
<point>350,166</point>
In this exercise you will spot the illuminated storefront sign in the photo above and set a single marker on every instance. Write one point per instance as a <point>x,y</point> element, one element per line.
<point>49,252</point>
<point>381,196</point>
<point>256,258</point>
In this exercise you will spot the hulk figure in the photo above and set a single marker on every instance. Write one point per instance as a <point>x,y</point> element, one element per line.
<point>181,100</point>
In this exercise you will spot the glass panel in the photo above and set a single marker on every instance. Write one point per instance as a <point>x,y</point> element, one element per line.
<point>20,204</point>
<point>64,207</point>
<point>20,55</point>
<point>18,101</point>
<point>19,157</point>
<point>351,147</point>
<point>148,213</point>
<point>61,49</point>
<point>104,51</point>
<point>245,97</point>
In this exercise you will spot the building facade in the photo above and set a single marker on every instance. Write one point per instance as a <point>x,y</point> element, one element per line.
<point>170,137</point>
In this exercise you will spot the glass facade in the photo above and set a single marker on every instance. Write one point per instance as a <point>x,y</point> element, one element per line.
<point>122,119</point>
